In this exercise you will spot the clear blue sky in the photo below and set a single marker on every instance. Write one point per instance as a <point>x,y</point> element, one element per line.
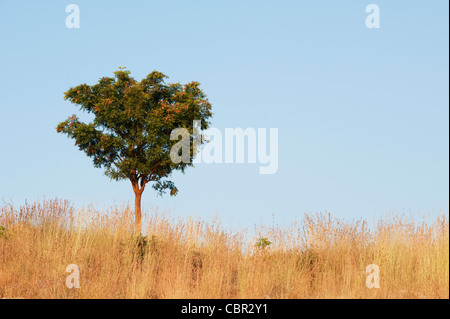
<point>362,114</point>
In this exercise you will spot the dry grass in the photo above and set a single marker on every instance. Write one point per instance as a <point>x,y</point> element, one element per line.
<point>321,257</point>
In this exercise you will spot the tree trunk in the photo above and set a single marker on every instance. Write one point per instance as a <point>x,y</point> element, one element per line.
<point>137,212</point>
<point>137,202</point>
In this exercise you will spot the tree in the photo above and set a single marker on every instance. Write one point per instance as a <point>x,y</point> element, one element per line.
<point>130,134</point>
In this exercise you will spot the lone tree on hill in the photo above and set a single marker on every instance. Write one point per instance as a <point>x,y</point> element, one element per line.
<point>130,135</point>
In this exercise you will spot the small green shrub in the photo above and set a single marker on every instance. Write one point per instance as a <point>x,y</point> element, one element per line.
<point>263,243</point>
<point>2,231</point>
<point>140,247</point>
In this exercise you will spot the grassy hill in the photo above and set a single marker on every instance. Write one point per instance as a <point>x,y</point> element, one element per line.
<point>320,257</point>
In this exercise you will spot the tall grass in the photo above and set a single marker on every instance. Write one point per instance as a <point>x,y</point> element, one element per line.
<point>320,257</point>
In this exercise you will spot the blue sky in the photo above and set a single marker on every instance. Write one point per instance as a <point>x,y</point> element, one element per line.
<point>362,114</point>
